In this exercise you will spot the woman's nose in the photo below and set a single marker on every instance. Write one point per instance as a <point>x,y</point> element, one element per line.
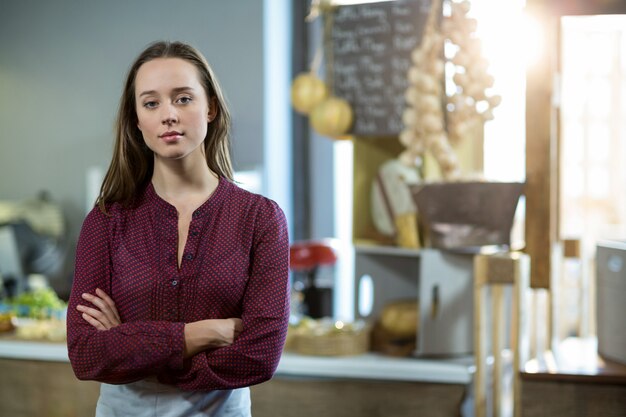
<point>169,116</point>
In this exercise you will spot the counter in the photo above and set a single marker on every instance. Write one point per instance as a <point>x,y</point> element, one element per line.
<point>38,351</point>
<point>37,380</point>
<point>368,366</point>
<point>377,367</point>
<point>304,385</point>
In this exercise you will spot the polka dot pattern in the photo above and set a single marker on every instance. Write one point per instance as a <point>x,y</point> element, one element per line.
<point>235,264</point>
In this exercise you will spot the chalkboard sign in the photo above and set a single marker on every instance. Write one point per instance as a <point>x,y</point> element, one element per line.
<point>371,55</point>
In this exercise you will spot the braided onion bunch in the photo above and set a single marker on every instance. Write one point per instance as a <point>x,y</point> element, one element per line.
<point>434,121</point>
<point>423,118</point>
<point>471,102</point>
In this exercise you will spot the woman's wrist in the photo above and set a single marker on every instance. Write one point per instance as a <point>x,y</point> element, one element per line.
<point>207,334</point>
<point>194,339</point>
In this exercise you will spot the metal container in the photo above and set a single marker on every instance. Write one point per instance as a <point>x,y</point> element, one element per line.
<point>456,215</point>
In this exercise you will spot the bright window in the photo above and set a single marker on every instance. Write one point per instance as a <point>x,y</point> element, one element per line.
<point>593,154</point>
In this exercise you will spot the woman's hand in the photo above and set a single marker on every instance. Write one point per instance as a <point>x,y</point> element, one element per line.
<point>206,334</point>
<point>105,316</point>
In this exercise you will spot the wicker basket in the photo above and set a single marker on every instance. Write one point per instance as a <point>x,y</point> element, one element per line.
<point>353,342</point>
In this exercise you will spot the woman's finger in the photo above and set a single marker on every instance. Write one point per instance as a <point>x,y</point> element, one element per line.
<point>95,313</point>
<point>96,318</point>
<point>102,309</point>
<point>110,314</point>
<point>95,323</point>
<point>110,303</point>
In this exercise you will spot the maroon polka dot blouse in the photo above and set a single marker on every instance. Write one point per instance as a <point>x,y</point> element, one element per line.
<point>235,264</point>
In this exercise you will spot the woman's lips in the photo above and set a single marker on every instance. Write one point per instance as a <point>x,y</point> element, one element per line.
<point>170,137</point>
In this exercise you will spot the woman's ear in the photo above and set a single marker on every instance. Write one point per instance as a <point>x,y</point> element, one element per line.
<point>212,109</point>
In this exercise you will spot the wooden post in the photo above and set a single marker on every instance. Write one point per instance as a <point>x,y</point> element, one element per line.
<point>480,348</point>
<point>520,327</point>
<point>496,271</point>
<point>541,150</point>
<point>497,299</point>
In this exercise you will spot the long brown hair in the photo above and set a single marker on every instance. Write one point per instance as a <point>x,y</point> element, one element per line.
<point>133,162</point>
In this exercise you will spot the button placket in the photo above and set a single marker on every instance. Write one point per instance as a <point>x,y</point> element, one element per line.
<point>172,275</point>
<point>194,232</point>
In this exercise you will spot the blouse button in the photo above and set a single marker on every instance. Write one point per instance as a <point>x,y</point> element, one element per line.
<point>189,257</point>
<point>194,233</point>
<point>174,283</point>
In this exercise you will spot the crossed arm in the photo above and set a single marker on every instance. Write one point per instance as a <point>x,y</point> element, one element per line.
<point>199,335</point>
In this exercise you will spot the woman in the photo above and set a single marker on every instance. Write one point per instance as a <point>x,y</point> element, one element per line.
<point>180,295</point>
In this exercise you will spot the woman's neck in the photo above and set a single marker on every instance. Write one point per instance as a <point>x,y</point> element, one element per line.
<point>174,180</point>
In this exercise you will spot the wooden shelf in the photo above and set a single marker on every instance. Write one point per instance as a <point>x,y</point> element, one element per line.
<point>386,250</point>
<point>576,360</point>
<point>573,381</point>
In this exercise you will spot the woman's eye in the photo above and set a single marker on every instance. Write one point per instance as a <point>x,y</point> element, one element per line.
<point>150,104</point>
<point>184,100</point>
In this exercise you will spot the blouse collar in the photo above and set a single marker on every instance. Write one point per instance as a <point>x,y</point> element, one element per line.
<point>151,197</point>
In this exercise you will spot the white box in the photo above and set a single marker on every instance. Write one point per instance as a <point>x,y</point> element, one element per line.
<point>611,299</point>
<point>442,282</point>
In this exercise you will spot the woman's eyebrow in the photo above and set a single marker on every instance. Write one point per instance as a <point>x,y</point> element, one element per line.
<point>175,90</point>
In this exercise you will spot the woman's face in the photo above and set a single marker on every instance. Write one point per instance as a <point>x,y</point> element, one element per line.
<point>172,108</point>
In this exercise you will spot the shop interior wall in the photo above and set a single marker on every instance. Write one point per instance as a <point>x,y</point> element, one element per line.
<point>62,66</point>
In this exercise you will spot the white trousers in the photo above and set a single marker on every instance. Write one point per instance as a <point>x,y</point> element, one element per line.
<point>149,398</point>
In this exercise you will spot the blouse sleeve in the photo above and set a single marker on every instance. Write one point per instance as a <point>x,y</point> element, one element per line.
<point>128,352</point>
<point>254,356</point>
